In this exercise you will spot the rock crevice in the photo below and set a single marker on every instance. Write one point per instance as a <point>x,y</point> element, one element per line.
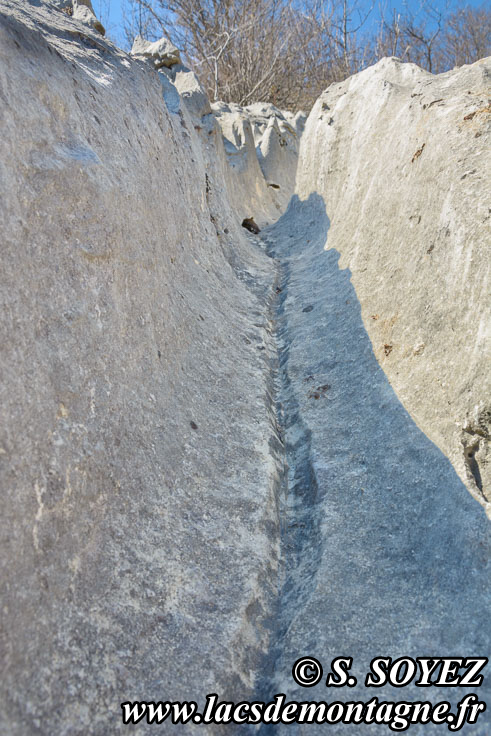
<point>217,451</point>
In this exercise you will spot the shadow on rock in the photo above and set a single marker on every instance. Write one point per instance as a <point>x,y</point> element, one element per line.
<point>385,551</point>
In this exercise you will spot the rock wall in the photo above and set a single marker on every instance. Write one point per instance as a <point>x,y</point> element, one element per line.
<point>261,145</point>
<point>382,547</point>
<point>400,158</point>
<point>383,297</point>
<point>138,451</point>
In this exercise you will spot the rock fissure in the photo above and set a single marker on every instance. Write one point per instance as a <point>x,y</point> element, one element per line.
<point>297,492</point>
<point>220,450</point>
<point>372,552</point>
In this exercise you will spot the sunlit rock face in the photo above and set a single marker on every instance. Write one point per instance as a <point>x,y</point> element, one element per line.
<point>137,443</point>
<point>383,382</point>
<point>261,144</point>
<point>401,159</point>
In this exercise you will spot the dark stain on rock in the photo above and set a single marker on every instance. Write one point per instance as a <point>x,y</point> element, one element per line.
<point>418,153</point>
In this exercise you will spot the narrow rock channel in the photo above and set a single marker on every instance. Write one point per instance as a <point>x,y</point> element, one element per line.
<point>209,459</point>
<point>376,560</point>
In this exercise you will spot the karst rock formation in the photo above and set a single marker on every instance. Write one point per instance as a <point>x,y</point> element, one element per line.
<point>223,450</point>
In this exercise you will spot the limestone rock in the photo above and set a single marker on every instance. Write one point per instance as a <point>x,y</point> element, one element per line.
<point>383,382</point>
<point>65,5</point>
<point>83,11</point>
<point>139,545</point>
<point>261,143</point>
<point>161,53</point>
<point>299,121</point>
<point>278,152</point>
<point>409,217</point>
<point>383,548</point>
<point>190,90</point>
<point>206,463</point>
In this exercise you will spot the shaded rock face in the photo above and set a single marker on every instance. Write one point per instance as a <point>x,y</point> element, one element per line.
<point>384,552</point>
<point>400,159</point>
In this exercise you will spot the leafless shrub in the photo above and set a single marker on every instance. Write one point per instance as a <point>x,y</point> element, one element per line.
<point>287,52</point>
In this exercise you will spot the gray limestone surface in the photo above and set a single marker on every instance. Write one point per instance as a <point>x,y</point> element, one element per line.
<point>261,144</point>
<point>402,158</point>
<point>384,551</point>
<point>159,53</point>
<point>139,544</point>
<point>84,12</point>
<point>222,451</point>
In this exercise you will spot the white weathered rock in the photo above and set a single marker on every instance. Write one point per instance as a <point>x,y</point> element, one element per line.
<point>161,53</point>
<point>83,11</point>
<point>402,159</point>
<point>383,259</point>
<point>383,548</point>
<point>278,154</point>
<point>191,91</point>
<point>65,5</point>
<point>261,143</point>
<point>139,544</point>
<point>299,121</point>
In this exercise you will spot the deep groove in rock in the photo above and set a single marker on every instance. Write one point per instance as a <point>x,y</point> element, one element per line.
<point>298,511</point>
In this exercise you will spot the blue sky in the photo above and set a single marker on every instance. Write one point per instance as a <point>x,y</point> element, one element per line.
<point>111,12</point>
